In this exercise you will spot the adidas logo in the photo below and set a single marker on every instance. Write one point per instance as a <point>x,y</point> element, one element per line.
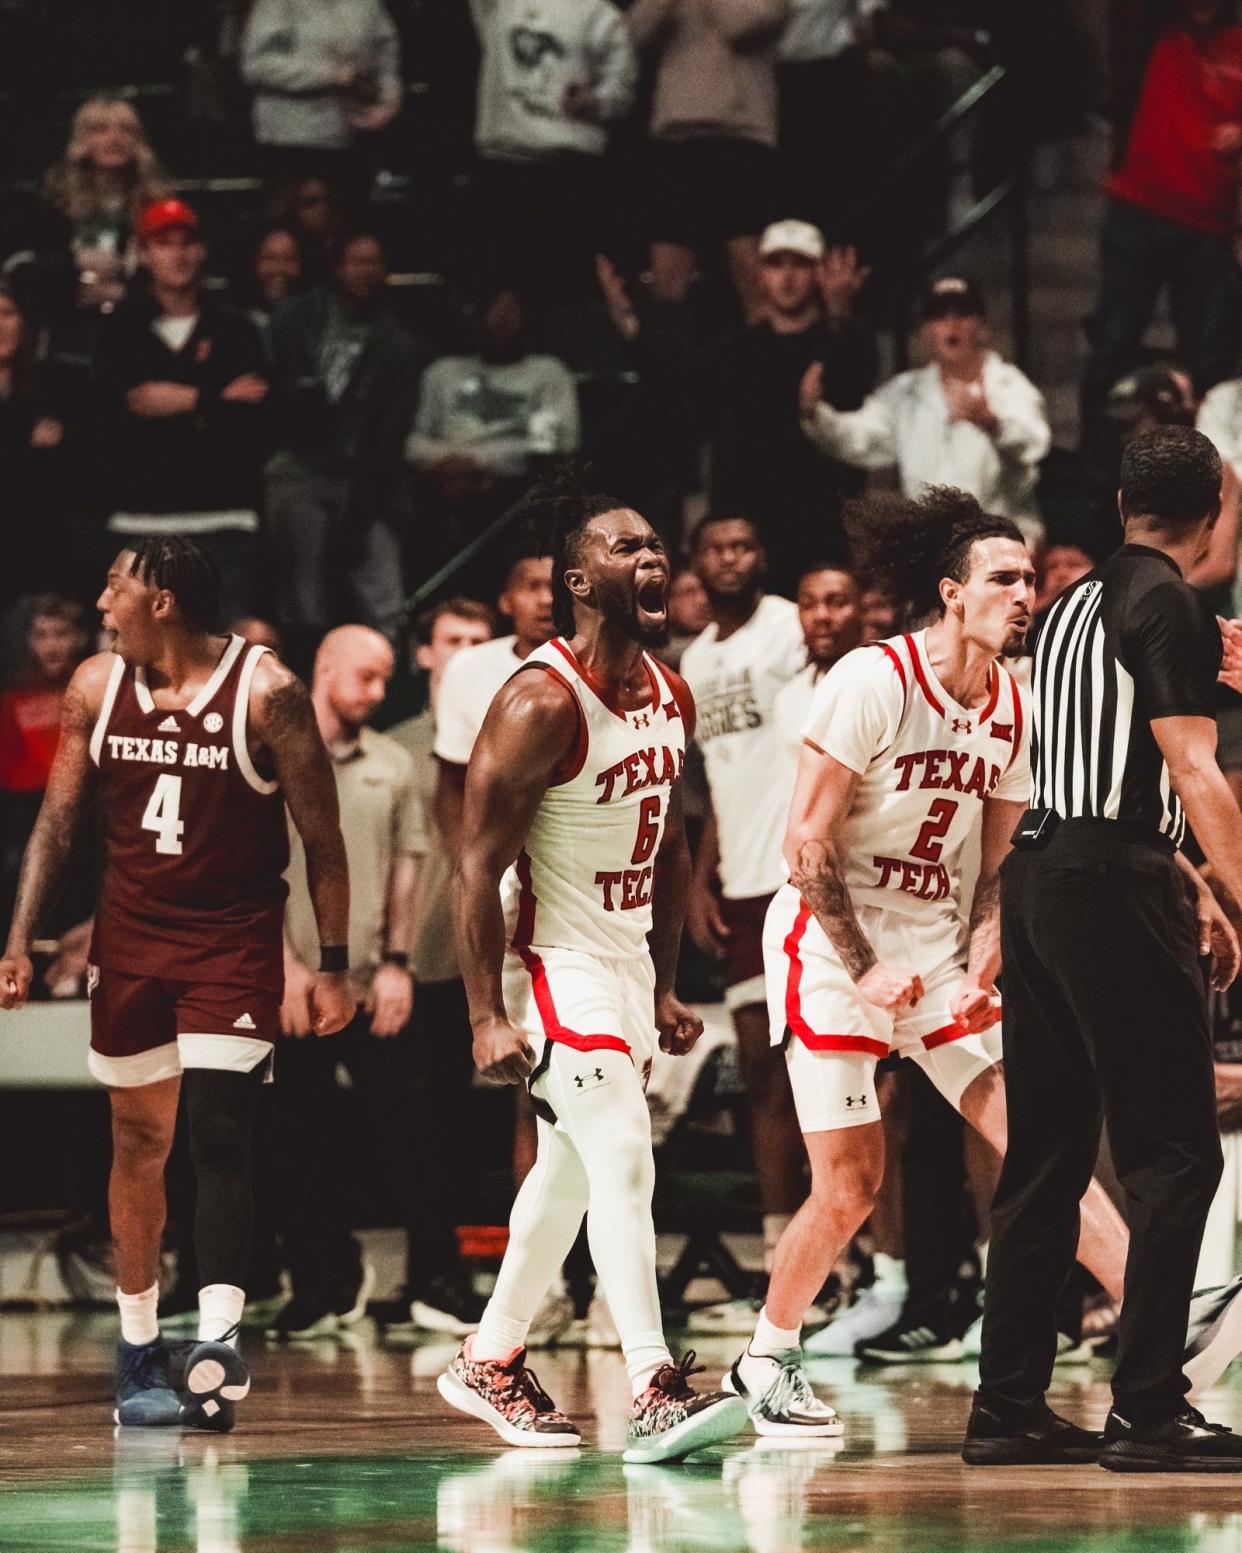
<point>244,1023</point>
<point>169,725</point>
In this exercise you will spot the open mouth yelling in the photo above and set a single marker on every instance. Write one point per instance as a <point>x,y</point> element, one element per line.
<point>651,597</point>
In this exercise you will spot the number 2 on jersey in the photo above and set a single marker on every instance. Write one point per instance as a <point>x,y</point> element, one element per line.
<point>930,842</point>
<point>163,814</point>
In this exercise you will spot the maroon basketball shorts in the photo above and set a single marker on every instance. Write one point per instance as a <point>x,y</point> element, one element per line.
<point>743,957</point>
<point>144,1029</point>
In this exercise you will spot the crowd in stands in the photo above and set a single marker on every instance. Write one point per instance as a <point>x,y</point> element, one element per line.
<point>664,252</point>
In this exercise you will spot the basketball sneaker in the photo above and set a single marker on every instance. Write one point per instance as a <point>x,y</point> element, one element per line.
<point>442,1304</point>
<point>779,1397</point>
<point>909,1341</point>
<point>145,1398</point>
<point>874,1311</point>
<point>506,1395</point>
<point>670,1419</point>
<point>216,1378</point>
<point>1043,1441</point>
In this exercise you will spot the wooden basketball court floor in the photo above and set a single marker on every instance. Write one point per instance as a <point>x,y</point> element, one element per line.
<point>345,1447</point>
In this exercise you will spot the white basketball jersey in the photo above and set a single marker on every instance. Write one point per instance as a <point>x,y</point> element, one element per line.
<point>735,684</point>
<point>926,764</point>
<point>584,878</point>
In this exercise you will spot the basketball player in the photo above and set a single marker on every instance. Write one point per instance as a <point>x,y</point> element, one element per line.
<point>735,668</point>
<point>909,746</point>
<point>573,856</point>
<point>195,744</point>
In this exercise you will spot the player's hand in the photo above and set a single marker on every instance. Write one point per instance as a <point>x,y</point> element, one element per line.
<point>811,390</point>
<point>295,1010</point>
<point>890,988</point>
<point>679,1026</point>
<point>1217,939</point>
<point>332,1002</point>
<point>390,1000</point>
<point>16,973</point>
<point>704,921</point>
<point>151,400</point>
<point>975,1007</point>
<point>502,1054</point>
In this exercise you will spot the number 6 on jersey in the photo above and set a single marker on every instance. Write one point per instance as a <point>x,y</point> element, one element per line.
<point>163,814</point>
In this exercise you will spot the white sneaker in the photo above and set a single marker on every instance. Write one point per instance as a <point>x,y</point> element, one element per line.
<point>783,1403</point>
<point>873,1312</point>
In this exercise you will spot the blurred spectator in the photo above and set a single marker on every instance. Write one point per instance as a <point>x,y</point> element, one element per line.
<point>310,209</point>
<point>1172,200</point>
<point>761,463</point>
<point>96,194</point>
<point>485,420</point>
<point>689,612</point>
<point>441,1018</point>
<point>38,418</point>
<point>326,76</point>
<point>554,75</point>
<point>713,136</point>
<point>1059,565</point>
<point>276,272</point>
<point>385,835</point>
<point>1159,395</point>
<point>967,419</point>
<point>30,707</point>
<point>347,374</point>
<point>182,420</point>
<point>880,611</point>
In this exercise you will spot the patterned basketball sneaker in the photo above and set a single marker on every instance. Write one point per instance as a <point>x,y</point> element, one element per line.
<point>145,1398</point>
<point>505,1394</point>
<point>215,1379</point>
<point>670,1419</point>
<point>781,1400</point>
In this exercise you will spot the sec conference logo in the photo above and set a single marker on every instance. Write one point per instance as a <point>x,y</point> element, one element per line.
<point>213,722</point>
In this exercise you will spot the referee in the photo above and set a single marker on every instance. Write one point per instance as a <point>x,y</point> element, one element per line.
<point>1105,1004</point>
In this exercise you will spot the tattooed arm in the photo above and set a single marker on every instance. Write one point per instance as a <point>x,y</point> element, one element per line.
<point>823,797</point>
<point>972,1003</point>
<point>51,842</point>
<point>283,722</point>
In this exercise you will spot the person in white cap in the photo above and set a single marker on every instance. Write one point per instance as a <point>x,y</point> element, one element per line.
<point>967,419</point>
<point>762,467</point>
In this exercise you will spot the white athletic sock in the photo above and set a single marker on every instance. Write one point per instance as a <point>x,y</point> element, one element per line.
<point>774,1226</point>
<point>499,1336</point>
<point>890,1271</point>
<point>220,1307</point>
<point>984,1247</point>
<point>138,1323</point>
<point>770,1339</point>
<point>645,1353</point>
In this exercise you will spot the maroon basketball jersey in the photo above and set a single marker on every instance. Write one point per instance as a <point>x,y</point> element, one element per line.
<point>196,845</point>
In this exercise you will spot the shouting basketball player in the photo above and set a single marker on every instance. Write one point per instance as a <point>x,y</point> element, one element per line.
<point>194,743</point>
<point>573,877</point>
<point>909,747</point>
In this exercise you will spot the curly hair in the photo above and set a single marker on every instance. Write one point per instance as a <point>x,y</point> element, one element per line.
<point>74,186</point>
<point>566,503</point>
<point>908,545</point>
<point>1171,475</point>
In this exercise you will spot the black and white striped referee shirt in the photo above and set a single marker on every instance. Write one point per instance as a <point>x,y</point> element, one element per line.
<point>1128,643</point>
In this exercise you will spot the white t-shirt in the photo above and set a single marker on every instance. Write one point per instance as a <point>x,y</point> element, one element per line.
<point>926,764</point>
<point>735,683</point>
<point>471,678</point>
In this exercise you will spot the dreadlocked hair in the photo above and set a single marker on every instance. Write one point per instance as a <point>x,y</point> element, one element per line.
<point>188,572</point>
<point>567,504</point>
<point>909,545</point>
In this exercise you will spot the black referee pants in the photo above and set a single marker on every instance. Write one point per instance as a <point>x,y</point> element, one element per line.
<point>1105,1019</point>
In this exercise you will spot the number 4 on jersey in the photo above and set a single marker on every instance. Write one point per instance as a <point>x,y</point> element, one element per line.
<point>163,814</point>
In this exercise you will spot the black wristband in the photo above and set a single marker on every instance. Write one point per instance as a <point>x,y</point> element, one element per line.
<point>398,958</point>
<point>334,958</point>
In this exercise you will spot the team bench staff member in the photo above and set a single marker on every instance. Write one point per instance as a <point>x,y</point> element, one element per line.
<point>1105,1011</point>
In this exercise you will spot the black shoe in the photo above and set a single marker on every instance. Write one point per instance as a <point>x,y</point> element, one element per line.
<point>909,1341</point>
<point>1046,1441</point>
<point>1187,1443</point>
<point>215,1379</point>
<point>306,1316</point>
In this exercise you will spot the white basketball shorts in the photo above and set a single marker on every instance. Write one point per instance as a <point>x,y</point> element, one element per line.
<point>582,1001</point>
<point>834,1038</point>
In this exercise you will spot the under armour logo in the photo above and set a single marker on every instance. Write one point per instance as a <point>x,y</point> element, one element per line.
<point>962,725</point>
<point>852,1100</point>
<point>642,720</point>
<point>1003,731</point>
<point>594,1078</point>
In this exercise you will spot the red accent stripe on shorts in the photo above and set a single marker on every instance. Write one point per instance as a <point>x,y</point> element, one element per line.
<point>524,928</point>
<point>793,1001</point>
<point>552,1026</point>
<point>954,1032</point>
<point>924,685</point>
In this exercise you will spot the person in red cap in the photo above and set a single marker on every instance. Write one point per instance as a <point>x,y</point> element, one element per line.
<point>182,387</point>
